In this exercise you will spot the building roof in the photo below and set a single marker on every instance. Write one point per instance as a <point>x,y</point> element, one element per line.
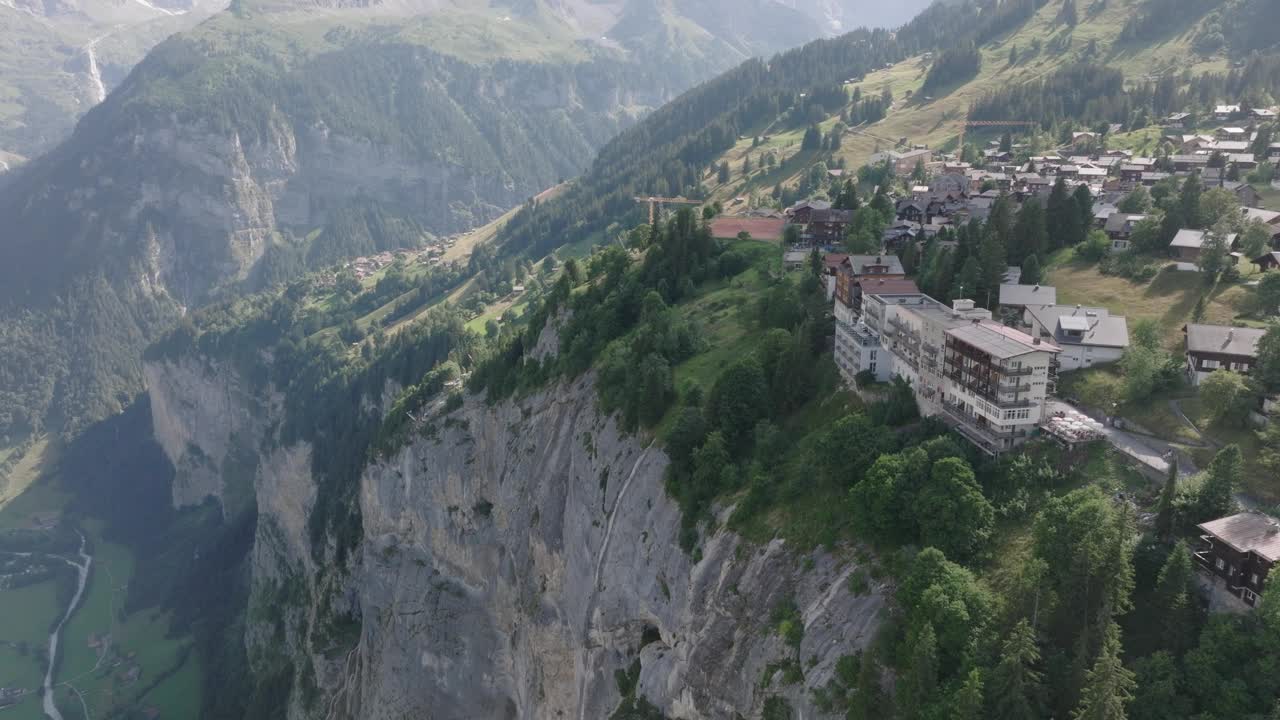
<point>1223,339</point>
<point>1188,239</point>
<point>1028,294</point>
<point>858,262</point>
<point>1118,221</point>
<point>887,286</point>
<point>1247,532</point>
<point>1267,216</point>
<point>1000,341</point>
<point>811,204</point>
<point>1229,146</point>
<point>795,256</point>
<point>1099,327</point>
<point>830,215</point>
<point>1274,255</point>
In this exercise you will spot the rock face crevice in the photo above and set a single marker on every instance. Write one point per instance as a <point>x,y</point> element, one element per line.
<point>514,557</point>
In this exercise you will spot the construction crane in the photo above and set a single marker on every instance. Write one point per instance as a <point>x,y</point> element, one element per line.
<point>656,203</point>
<point>991,123</point>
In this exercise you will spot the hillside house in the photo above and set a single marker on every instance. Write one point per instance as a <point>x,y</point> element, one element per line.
<point>1231,133</point>
<point>1177,120</point>
<point>903,163</point>
<point>855,271</point>
<point>1223,113</point>
<point>1188,245</point>
<point>1101,212</point>
<point>1189,163</point>
<point>1269,261</point>
<point>1220,347</point>
<point>802,212</point>
<point>1235,556</point>
<point>1015,298</point>
<point>1119,228</point>
<point>1263,114</point>
<point>828,226</point>
<point>1088,336</point>
<point>1228,147</point>
<point>1247,194</point>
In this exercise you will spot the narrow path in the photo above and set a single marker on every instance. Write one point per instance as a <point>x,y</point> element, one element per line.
<point>1205,441</point>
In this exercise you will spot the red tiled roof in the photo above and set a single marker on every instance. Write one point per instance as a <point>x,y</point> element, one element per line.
<point>887,286</point>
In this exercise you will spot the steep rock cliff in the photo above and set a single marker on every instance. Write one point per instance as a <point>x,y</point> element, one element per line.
<point>513,558</point>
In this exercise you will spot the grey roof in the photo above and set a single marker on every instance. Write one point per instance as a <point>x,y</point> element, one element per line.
<point>1274,255</point>
<point>1102,211</point>
<point>1223,339</point>
<point>1229,146</point>
<point>1266,216</point>
<point>1110,331</point>
<point>1247,532</point>
<point>1000,341</point>
<point>1100,327</point>
<point>857,262</point>
<point>1118,221</point>
<point>1028,295</point>
<point>1188,239</point>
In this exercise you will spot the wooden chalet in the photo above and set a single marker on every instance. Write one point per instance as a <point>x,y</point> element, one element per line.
<point>1236,555</point>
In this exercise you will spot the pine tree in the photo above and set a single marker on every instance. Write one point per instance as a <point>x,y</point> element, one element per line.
<point>966,704</point>
<point>909,257</point>
<point>867,697</point>
<point>746,165</point>
<point>1109,685</point>
<point>993,263</point>
<point>1015,690</point>
<point>1030,234</point>
<point>1063,217</point>
<point>1084,202</point>
<point>1031,270</point>
<point>966,283</point>
<point>1189,201</point>
<point>1175,593</point>
<point>1069,14</point>
<point>723,173</point>
<point>921,681</point>
<point>1216,497</point>
<point>1164,515</point>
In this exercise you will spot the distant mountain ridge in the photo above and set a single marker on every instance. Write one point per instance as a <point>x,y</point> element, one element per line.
<point>282,135</point>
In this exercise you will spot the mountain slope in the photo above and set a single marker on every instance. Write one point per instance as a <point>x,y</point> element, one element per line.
<point>58,59</point>
<point>284,136</point>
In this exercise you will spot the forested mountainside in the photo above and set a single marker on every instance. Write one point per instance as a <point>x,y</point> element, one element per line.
<point>280,138</point>
<point>984,60</point>
<point>60,58</point>
<point>635,487</point>
<point>72,52</point>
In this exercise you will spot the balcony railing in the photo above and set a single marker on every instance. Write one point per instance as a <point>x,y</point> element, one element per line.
<point>1016,372</point>
<point>1014,404</point>
<point>1014,387</point>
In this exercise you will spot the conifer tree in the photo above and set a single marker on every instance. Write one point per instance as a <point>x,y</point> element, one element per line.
<point>1031,273</point>
<point>1175,592</point>
<point>921,681</point>
<point>1216,498</point>
<point>1015,689</point>
<point>1109,685</point>
<point>1164,513</point>
<point>966,704</point>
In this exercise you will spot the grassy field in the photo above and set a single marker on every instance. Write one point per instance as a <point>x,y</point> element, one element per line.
<point>1170,298</point>
<point>41,454</point>
<point>936,121</point>
<point>142,638</point>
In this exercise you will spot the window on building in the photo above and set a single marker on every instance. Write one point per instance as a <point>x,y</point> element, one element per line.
<point>1253,578</point>
<point>1250,596</point>
<point>1219,563</point>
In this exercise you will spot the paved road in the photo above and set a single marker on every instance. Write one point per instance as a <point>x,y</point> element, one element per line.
<point>1147,450</point>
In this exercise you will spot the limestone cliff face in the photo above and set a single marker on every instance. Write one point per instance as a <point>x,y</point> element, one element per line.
<point>513,558</point>
<point>516,559</point>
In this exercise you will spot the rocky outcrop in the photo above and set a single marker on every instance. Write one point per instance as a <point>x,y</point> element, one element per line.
<point>519,555</point>
<point>513,558</point>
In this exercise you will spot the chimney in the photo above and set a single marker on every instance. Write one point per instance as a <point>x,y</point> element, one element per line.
<point>1230,335</point>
